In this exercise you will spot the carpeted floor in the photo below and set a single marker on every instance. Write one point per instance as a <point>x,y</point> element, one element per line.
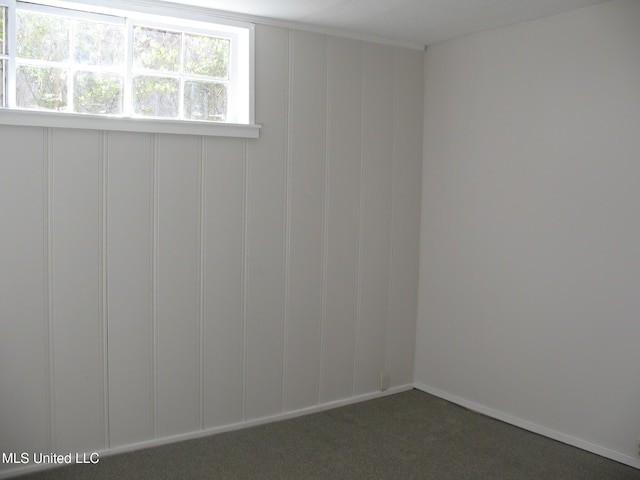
<point>410,435</point>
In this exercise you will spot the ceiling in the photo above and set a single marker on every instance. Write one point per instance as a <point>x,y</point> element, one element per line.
<point>416,22</point>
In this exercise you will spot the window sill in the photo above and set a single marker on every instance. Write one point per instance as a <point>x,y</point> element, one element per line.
<point>95,122</point>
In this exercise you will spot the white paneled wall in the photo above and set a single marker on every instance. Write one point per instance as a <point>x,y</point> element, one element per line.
<point>341,220</point>
<point>76,282</point>
<point>130,220</point>
<point>375,215</point>
<point>223,278</point>
<point>266,214</point>
<point>305,199</point>
<point>177,284</point>
<point>153,286</point>
<point>25,318</point>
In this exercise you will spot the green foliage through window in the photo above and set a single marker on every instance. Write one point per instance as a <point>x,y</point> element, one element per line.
<point>156,96</point>
<point>97,93</point>
<point>205,100</point>
<point>41,88</point>
<point>99,43</point>
<point>3,42</point>
<point>206,55</point>
<point>156,49</point>
<point>201,62</point>
<point>3,82</point>
<point>42,37</point>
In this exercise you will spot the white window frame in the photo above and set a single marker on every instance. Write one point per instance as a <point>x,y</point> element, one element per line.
<point>136,12</point>
<point>8,27</point>
<point>4,57</point>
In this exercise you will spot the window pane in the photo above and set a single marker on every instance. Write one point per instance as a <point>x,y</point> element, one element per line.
<point>205,55</point>
<point>41,88</point>
<point>42,37</point>
<point>99,93</point>
<point>156,96</point>
<point>3,42</point>
<point>3,83</point>
<point>99,43</point>
<point>205,101</point>
<point>156,49</point>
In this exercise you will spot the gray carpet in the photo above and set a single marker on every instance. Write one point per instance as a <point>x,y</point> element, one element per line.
<point>410,435</point>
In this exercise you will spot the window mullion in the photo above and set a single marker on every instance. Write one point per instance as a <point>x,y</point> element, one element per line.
<point>181,72</point>
<point>71,70</point>
<point>127,107</point>
<point>11,51</point>
<point>4,57</point>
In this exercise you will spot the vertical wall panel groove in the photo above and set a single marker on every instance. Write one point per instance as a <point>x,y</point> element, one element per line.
<point>178,322</point>
<point>342,196</point>
<point>245,267</point>
<point>391,220</point>
<point>154,280</point>
<point>267,159</point>
<point>245,293</point>
<point>225,222</point>
<point>325,223</point>
<point>201,273</point>
<point>48,276</point>
<point>245,275</point>
<point>357,323</point>
<point>378,141</point>
<point>103,281</point>
<point>128,183</point>
<point>77,310</point>
<point>305,233</point>
<point>287,217</point>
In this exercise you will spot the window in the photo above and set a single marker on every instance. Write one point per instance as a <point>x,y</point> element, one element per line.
<point>68,64</point>
<point>105,62</point>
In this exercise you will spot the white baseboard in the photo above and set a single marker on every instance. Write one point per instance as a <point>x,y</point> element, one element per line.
<point>24,469</point>
<point>532,427</point>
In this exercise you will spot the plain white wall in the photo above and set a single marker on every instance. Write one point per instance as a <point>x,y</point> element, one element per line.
<point>529,304</point>
<point>157,286</point>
